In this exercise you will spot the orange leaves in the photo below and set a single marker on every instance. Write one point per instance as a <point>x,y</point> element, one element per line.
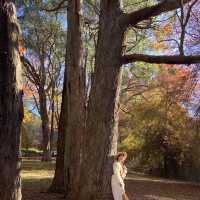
<point>161,35</point>
<point>177,82</point>
<point>167,29</point>
<point>158,46</point>
<point>173,74</point>
<point>27,91</point>
<point>22,50</point>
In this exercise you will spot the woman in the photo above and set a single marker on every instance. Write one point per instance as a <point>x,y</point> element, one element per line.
<point>119,173</point>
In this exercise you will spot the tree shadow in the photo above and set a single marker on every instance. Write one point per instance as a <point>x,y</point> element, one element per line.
<point>144,188</point>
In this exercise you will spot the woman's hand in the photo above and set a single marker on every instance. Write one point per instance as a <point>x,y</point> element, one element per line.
<point>120,184</point>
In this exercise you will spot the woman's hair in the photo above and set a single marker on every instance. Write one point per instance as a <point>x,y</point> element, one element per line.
<point>124,154</point>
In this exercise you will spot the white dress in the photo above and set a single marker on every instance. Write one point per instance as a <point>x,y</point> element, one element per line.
<point>117,181</point>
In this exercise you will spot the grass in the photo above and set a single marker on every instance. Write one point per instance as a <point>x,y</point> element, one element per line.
<point>37,177</point>
<point>32,149</point>
<point>142,187</point>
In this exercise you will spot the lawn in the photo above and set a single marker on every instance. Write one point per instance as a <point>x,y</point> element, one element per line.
<point>37,176</point>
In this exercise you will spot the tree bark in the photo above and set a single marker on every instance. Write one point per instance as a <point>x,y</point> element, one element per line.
<point>58,180</point>
<point>75,86</point>
<point>72,118</point>
<point>100,142</point>
<point>164,59</point>
<point>11,106</point>
<point>45,125</point>
<point>52,116</point>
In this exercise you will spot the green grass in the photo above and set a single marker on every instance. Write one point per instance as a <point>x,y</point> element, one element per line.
<point>37,174</point>
<point>32,149</point>
<point>36,179</point>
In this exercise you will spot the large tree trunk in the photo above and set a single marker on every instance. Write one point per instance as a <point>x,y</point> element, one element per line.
<point>100,143</point>
<point>11,106</point>
<point>75,85</point>
<point>72,118</point>
<point>45,125</point>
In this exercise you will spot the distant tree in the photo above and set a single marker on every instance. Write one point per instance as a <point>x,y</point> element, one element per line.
<point>157,131</point>
<point>43,63</point>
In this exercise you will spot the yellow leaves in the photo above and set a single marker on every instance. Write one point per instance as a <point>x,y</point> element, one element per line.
<point>28,117</point>
<point>158,46</point>
<point>131,142</point>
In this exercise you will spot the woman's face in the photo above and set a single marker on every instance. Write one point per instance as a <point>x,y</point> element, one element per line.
<point>122,158</point>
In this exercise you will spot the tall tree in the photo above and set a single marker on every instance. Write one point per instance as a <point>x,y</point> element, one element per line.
<point>11,106</point>
<point>102,115</point>
<point>45,58</point>
<point>75,98</point>
<point>72,118</point>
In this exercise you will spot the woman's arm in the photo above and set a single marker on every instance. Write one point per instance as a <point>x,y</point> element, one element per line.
<point>116,171</point>
<point>124,172</point>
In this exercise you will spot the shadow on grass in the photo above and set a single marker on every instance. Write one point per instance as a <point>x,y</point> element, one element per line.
<point>39,184</point>
<point>139,188</point>
<point>36,164</point>
<point>36,189</point>
<point>36,179</point>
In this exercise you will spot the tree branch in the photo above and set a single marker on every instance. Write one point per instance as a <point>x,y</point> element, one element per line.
<point>60,5</point>
<point>131,19</point>
<point>176,59</point>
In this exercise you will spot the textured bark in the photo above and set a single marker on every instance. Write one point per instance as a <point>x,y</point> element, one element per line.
<point>75,86</point>
<point>72,118</point>
<point>45,125</point>
<point>58,180</point>
<point>100,142</point>
<point>44,113</point>
<point>11,106</point>
<point>52,116</point>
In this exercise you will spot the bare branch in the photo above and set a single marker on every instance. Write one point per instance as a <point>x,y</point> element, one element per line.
<point>176,59</point>
<point>61,5</point>
<point>131,19</point>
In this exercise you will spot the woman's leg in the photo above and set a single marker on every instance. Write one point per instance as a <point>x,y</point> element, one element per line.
<point>116,190</point>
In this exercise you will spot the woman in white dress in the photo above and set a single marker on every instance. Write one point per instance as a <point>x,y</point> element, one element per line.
<point>119,173</point>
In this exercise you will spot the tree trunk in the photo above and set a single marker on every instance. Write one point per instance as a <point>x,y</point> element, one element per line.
<point>52,117</point>
<point>45,125</point>
<point>72,118</point>
<point>58,180</point>
<point>11,106</point>
<point>100,143</point>
<point>75,86</point>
